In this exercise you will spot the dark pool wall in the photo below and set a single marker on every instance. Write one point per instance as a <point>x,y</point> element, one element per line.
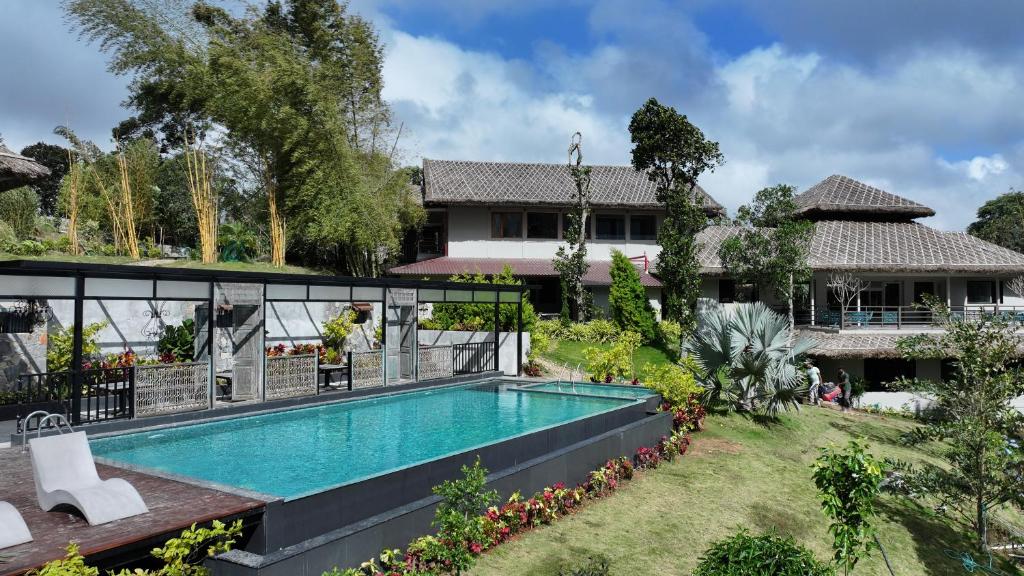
<point>297,539</point>
<point>293,521</point>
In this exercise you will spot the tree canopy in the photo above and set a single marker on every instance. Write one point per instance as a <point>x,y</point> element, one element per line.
<point>770,249</point>
<point>674,153</point>
<point>292,93</point>
<point>1000,221</point>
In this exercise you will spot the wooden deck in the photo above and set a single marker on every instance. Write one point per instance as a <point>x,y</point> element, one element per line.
<point>173,506</point>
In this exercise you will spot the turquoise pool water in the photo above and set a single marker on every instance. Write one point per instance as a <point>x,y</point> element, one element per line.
<point>297,452</point>
<point>608,390</point>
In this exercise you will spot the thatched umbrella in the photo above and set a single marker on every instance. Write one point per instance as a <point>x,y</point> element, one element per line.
<point>17,170</point>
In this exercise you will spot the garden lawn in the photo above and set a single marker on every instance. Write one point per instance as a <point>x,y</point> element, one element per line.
<point>738,473</point>
<point>571,353</point>
<point>166,263</point>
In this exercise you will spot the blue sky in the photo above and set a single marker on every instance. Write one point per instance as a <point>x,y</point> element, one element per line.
<point>920,98</point>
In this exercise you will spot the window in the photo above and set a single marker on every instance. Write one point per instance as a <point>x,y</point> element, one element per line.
<point>643,227</point>
<point>611,227</point>
<point>565,224</point>
<point>726,290</point>
<point>980,292</point>
<point>541,225</point>
<point>506,225</point>
<point>880,371</point>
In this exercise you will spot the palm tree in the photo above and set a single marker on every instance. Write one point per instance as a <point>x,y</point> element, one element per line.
<point>749,359</point>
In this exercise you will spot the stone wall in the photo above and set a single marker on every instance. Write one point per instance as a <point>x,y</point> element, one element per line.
<point>21,354</point>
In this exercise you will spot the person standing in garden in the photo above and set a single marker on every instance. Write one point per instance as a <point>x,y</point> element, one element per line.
<point>847,388</point>
<point>814,382</point>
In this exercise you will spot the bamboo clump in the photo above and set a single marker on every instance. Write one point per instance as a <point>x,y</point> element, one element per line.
<point>204,201</point>
<point>277,225</point>
<point>127,212</point>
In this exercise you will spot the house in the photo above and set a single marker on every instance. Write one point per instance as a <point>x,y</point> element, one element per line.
<point>874,235</point>
<point>484,215</point>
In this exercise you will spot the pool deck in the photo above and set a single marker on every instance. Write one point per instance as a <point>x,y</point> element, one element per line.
<point>173,506</point>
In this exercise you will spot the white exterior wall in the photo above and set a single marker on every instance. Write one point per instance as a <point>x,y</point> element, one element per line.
<point>469,236</point>
<point>957,287</point>
<point>506,344</point>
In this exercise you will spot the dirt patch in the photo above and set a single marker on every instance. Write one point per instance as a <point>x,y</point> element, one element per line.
<point>709,446</point>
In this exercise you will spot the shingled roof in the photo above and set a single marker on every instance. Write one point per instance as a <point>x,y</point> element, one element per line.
<point>884,247</point>
<point>841,195</point>
<point>462,182</point>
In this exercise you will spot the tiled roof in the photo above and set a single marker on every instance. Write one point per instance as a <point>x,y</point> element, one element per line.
<point>884,247</point>
<point>852,344</point>
<point>843,195</point>
<point>597,275</point>
<point>463,182</point>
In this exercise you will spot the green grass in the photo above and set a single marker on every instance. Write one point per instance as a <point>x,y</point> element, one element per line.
<point>571,353</point>
<point>739,473</point>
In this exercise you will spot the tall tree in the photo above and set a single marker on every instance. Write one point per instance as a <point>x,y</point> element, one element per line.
<point>674,153</point>
<point>295,90</point>
<point>981,433</point>
<point>627,300</point>
<point>1001,221</point>
<point>56,159</point>
<point>571,258</point>
<point>770,249</point>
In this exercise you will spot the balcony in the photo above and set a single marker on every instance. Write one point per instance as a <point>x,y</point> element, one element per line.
<point>898,317</point>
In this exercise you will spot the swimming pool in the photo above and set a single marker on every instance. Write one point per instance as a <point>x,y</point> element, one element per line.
<point>303,451</point>
<point>587,389</point>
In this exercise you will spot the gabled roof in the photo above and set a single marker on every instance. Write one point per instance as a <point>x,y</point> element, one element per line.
<point>841,195</point>
<point>490,183</point>
<point>599,273</point>
<point>884,247</point>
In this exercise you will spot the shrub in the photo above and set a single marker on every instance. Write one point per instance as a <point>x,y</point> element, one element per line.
<point>177,343</point>
<point>614,362</point>
<point>480,315</point>
<point>676,384</point>
<point>765,555</point>
<point>19,208</point>
<point>72,564</point>
<point>627,299</point>
<point>669,335</point>
<point>593,332</point>
<point>7,236</point>
<point>60,343</point>
<point>540,344</point>
<point>338,329</point>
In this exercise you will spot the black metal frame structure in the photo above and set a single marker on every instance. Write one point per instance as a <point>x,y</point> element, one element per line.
<point>81,282</point>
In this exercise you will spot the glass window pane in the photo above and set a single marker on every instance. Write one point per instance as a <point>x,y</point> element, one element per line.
<point>542,225</point>
<point>643,227</point>
<point>507,225</point>
<point>611,227</point>
<point>979,292</point>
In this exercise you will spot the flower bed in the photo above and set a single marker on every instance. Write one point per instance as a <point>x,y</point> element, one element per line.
<point>444,554</point>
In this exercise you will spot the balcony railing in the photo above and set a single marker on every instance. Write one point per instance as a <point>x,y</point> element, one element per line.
<point>899,316</point>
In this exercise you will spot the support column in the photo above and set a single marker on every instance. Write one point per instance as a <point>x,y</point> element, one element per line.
<point>519,336</point>
<point>76,352</point>
<point>497,331</point>
<point>210,327</point>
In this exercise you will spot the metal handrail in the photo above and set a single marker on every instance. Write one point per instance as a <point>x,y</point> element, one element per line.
<point>45,417</point>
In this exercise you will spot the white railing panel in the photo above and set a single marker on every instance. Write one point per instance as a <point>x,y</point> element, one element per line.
<point>291,376</point>
<point>435,362</point>
<point>171,388</point>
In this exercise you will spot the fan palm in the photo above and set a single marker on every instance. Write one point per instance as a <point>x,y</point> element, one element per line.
<point>749,359</point>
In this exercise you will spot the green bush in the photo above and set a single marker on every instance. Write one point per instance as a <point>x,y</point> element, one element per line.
<point>617,361</point>
<point>60,343</point>
<point>627,299</point>
<point>177,343</point>
<point>676,384</point>
<point>72,564</point>
<point>480,315</point>
<point>765,555</point>
<point>19,208</point>
<point>7,236</point>
<point>540,343</point>
<point>593,332</point>
<point>669,335</point>
<point>338,329</point>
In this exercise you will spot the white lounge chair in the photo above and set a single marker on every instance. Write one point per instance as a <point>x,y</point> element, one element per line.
<point>65,473</point>
<point>12,527</point>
